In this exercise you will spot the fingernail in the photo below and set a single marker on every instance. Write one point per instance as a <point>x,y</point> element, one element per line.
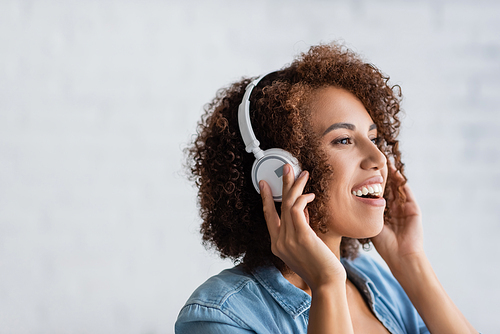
<point>261,185</point>
<point>303,173</point>
<point>286,169</point>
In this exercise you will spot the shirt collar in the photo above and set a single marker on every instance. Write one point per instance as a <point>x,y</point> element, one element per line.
<point>292,299</point>
<point>295,301</point>
<point>361,280</point>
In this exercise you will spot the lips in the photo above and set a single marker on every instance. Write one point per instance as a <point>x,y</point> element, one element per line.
<point>372,187</point>
<point>370,191</point>
<point>377,202</point>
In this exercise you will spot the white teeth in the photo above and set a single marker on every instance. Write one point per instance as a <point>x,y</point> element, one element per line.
<point>371,189</point>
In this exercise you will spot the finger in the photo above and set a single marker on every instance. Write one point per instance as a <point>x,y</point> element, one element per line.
<point>289,201</point>
<point>298,212</point>
<point>295,190</point>
<point>396,175</point>
<point>286,202</point>
<point>288,180</point>
<point>298,187</point>
<point>270,214</point>
<point>410,197</point>
<point>390,164</point>
<point>397,179</point>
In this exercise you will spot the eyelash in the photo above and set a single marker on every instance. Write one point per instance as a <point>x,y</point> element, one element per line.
<point>339,141</point>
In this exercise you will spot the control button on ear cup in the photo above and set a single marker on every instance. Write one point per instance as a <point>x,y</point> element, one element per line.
<point>270,169</point>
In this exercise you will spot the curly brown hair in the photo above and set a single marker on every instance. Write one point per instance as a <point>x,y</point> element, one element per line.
<point>231,209</point>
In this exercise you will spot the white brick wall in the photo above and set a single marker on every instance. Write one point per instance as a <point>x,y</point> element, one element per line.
<point>98,227</point>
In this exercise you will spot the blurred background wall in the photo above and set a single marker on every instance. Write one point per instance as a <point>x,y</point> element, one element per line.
<point>98,225</point>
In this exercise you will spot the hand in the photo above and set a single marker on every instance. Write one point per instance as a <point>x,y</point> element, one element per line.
<point>401,246</point>
<point>293,240</point>
<point>402,237</point>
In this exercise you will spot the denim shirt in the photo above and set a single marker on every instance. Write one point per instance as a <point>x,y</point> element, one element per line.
<point>266,302</point>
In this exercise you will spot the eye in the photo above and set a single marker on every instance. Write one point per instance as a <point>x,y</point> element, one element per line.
<point>376,140</point>
<point>343,141</point>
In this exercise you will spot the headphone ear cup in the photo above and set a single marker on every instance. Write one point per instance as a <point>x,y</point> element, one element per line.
<point>270,169</point>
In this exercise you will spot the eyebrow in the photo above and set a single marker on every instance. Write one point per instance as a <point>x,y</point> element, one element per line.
<point>347,126</point>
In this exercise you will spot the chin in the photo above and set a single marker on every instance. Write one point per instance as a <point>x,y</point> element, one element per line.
<point>377,228</point>
<point>368,230</point>
<point>376,232</point>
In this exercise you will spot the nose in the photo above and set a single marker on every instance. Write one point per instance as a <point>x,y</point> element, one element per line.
<point>373,158</point>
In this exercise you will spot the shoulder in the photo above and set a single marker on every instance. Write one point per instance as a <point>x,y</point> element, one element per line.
<point>235,301</point>
<point>218,289</point>
<point>224,303</point>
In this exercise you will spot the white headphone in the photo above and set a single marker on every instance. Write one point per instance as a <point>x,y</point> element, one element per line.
<point>268,165</point>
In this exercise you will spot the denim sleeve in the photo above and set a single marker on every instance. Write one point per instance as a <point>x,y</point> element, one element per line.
<point>196,318</point>
<point>422,327</point>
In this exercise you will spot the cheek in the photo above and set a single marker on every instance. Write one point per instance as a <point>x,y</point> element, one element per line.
<point>342,175</point>
<point>338,190</point>
<point>342,189</point>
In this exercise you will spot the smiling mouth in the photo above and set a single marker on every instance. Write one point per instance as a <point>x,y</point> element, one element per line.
<point>369,191</point>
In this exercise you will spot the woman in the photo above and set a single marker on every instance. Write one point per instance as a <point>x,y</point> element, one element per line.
<point>299,269</point>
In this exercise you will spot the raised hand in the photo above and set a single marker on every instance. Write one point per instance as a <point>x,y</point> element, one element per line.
<point>293,240</point>
<point>401,246</point>
<point>402,237</point>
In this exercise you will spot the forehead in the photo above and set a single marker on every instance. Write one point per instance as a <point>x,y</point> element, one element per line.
<point>330,105</point>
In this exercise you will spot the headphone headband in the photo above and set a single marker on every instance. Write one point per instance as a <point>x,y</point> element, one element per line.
<point>268,164</point>
<point>251,142</point>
